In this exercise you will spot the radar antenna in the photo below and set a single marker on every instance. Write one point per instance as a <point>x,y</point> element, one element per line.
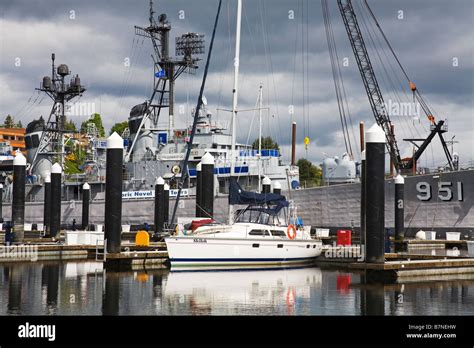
<point>166,69</point>
<point>55,86</point>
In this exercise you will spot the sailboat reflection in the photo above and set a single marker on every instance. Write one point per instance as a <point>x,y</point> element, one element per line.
<point>238,292</point>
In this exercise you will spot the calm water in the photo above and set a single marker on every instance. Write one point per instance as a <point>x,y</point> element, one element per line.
<point>83,288</point>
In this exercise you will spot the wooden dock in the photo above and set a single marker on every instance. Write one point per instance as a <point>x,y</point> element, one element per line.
<point>412,270</point>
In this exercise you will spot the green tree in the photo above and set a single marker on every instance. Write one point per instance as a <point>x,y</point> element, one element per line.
<point>97,120</point>
<point>75,159</point>
<point>267,143</point>
<point>70,126</point>
<point>19,125</point>
<point>9,122</point>
<point>119,127</point>
<point>310,175</point>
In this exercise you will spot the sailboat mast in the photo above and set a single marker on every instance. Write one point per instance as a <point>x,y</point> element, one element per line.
<point>260,105</point>
<point>234,99</point>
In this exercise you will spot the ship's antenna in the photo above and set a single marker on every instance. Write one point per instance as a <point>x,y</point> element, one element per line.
<point>152,13</point>
<point>166,70</point>
<point>61,92</point>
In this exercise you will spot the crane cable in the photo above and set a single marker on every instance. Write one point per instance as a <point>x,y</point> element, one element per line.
<point>413,87</point>
<point>337,77</point>
<point>384,76</point>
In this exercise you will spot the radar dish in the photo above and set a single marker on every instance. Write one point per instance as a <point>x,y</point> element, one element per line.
<point>204,100</point>
<point>162,18</point>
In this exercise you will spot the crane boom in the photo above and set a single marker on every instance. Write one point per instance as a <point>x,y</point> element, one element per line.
<point>368,77</point>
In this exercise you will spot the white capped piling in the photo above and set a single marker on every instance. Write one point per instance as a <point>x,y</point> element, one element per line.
<point>18,201</point>
<point>1,202</point>
<point>159,205</point>
<point>55,203</point>
<point>113,193</point>
<point>277,187</point>
<point>375,194</point>
<point>47,203</point>
<point>198,190</point>
<point>166,205</point>
<point>207,190</point>
<point>86,196</point>
<point>399,212</point>
<point>363,170</point>
<point>266,185</point>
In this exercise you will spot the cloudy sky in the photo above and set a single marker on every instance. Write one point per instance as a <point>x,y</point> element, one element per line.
<point>433,39</point>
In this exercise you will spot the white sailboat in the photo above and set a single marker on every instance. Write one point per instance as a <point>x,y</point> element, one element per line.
<point>261,234</point>
<point>256,238</point>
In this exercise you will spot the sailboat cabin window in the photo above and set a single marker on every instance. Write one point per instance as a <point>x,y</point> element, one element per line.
<point>259,233</point>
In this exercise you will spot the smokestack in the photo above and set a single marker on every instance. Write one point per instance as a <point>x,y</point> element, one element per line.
<point>362,136</point>
<point>293,144</point>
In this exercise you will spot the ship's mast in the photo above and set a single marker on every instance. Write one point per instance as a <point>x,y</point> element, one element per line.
<point>55,86</point>
<point>234,101</point>
<point>166,68</point>
<point>260,107</point>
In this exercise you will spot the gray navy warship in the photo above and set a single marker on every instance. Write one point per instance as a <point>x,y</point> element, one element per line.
<point>440,201</point>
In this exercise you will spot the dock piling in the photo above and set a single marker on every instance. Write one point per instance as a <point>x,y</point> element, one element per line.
<point>55,203</point>
<point>159,205</point>
<point>198,190</point>
<point>363,170</point>
<point>399,212</point>
<point>47,203</point>
<point>86,196</point>
<point>207,179</point>
<point>166,204</point>
<point>375,194</point>
<point>18,201</point>
<point>113,193</point>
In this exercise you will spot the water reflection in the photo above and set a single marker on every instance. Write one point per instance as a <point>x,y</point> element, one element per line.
<point>50,282</point>
<point>14,289</point>
<point>81,288</point>
<point>285,291</point>
<point>111,296</point>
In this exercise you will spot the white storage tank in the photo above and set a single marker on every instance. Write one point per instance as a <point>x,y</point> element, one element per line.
<point>339,170</point>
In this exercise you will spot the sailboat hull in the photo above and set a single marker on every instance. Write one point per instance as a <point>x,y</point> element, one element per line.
<point>218,252</point>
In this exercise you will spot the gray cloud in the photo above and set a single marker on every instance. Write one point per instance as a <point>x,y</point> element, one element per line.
<point>100,37</point>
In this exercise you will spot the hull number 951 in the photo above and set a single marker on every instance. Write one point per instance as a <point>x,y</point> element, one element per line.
<point>447,191</point>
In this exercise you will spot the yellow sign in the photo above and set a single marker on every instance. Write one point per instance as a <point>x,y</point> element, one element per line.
<point>306,140</point>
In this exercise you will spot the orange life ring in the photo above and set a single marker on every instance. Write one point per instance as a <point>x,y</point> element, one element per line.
<point>291,235</point>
